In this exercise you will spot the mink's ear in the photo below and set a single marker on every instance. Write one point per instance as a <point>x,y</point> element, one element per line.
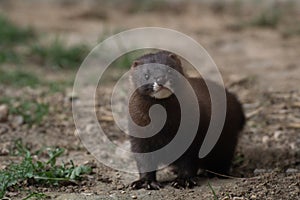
<point>174,57</point>
<point>135,64</point>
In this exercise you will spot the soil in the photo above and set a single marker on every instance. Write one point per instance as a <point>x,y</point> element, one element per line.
<point>258,64</point>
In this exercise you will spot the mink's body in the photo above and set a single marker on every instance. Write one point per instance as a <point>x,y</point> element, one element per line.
<point>186,167</point>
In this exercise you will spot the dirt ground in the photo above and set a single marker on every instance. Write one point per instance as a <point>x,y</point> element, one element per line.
<point>259,64</point>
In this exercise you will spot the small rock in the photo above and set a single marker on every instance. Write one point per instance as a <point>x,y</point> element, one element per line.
<point>76,133</point>
<point>291,171</point>
<point>134,197</point>
<point>90,163</point>
<point>226,198</point>
<point>238,198</point>
<point>265,139</point>
<point>120,187</point>
<point>4,152</point>
<point>253,196</point>
<point>87,193</point>
<point>3,113</point>
<point>123,192</point>
<point>17,121</point>
<point>259,171</point>
<point>69,190</point>
<point>277,134</point>
<point>113,196</point>
<point>71,95</point>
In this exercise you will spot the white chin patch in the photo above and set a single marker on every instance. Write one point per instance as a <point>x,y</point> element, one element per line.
<point>162,93</point>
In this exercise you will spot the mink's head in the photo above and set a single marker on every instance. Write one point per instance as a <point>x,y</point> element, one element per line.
<point>154,74</point>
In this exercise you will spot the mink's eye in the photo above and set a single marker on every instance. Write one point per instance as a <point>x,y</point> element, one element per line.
<point>146,76</point>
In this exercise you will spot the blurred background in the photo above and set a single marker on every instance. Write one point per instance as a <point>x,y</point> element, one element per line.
<point>255,44</point>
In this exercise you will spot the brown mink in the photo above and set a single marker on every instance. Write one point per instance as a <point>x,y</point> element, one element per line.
<point>156,88</point>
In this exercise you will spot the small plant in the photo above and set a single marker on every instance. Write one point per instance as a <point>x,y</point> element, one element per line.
<point>136,6</point>
<point>238,160</point>
<point>146,6</point>
<point>36,195</point>
<point>32,112</point>
<point>123,61</point>
<point>59,55</point>
<point>11,34</point>
<point>126,60</point>
<point>9,55</point>
<point>59,86</point>
<point>269,17</point>
<point>19,78</point>
<point>291,31</point>
<point>39,172</point>
<point>213,191</point>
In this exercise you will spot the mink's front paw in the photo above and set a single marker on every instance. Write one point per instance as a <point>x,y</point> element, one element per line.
<point>184,183</point>
<point>146,184</point>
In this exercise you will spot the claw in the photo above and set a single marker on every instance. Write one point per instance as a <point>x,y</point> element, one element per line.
<point>146,184</point>
<point>183,183</point>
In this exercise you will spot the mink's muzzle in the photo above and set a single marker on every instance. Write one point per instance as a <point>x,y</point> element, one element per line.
<point>146,89</point>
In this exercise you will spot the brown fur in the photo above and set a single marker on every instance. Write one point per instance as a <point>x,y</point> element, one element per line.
<point>218,160</point>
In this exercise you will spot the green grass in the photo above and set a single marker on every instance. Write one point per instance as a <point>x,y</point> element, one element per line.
<point>11,34</point>
<point>291,31</point>
<point>32,112</point>
<point>238,160</point>
<point>137,6</point>
<point>39,172</point>
<point>125,61</point>
<point>8,55</point>
<point>269,17</point>
<point>19,78</point>
<point>59,55</point>
<point>213,191</point>
<point>36,195</point>
<point>59,86</point>
<point>56,54</point>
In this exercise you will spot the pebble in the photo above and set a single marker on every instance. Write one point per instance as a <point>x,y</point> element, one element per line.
<point>291,171</point>
<point>238,198</point>
<point>69,190</point>
<point>71,95</point>
<point>259,171</point>
<point>253,196</point>
<point>113,196</point>
<point>277,134</point>
<point>87,193</point>
<point>4,152</point>
<point>120,187</point>
<point>134,197</point>
<point>3,113</point>
<point>226,198</point>
<point>265,139</point>
<point>17,121</point>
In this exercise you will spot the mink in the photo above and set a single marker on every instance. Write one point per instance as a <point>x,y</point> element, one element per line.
<point>155,87</point>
